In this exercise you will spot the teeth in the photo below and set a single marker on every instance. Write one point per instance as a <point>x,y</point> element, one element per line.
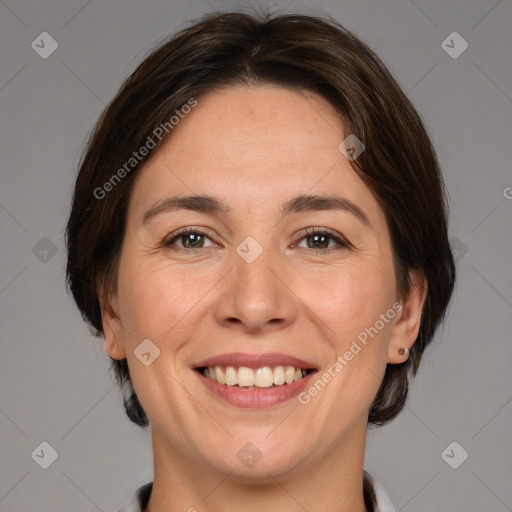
<point>263,377</point>
<point>231,376</point>
<point>245,376</point>
<point>219,375</point>
<point>279,377</point>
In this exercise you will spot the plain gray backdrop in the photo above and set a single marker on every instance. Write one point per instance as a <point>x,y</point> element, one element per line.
<point>54,376</point>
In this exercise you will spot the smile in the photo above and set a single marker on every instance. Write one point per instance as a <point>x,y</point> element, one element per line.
<point>254,380</point>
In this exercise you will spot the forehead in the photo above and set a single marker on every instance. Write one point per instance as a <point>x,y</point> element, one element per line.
<point>252,144</point>
<point>238,123</point>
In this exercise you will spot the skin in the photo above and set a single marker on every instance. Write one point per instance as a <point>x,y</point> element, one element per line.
<point>255,148</point>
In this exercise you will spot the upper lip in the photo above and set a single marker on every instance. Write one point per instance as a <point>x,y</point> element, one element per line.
<point>255,361</point>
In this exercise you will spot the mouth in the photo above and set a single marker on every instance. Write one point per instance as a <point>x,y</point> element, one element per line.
<point>246,380</point>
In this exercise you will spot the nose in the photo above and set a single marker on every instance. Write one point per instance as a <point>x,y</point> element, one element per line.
<point>255,297</point>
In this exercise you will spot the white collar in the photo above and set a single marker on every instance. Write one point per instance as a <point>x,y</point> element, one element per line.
<point>383,502</point>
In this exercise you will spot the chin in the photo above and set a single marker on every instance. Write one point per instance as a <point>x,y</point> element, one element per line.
<point>258,461</point>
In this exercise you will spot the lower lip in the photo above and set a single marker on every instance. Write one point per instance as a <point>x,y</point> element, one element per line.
<point>262,397</point>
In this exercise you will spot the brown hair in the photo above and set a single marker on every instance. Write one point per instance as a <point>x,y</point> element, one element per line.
<point>398,164</point>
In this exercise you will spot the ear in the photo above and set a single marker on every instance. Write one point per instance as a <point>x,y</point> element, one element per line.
<point>408,320</point>
<point>113,332</point>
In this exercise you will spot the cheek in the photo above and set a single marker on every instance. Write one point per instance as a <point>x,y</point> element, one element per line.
<point>348,304</point>
<point>348,300</point>
<point>159,300</point>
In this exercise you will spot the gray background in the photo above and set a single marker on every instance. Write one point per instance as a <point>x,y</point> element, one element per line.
<point>55,383</point>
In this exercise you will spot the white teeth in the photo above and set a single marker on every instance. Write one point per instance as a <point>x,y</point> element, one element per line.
<point>231,376</point>
<point>263,377</point>
<point>220,376</point>
<point>279,376</point>
<point>245,376</point>
<point>289,374</point>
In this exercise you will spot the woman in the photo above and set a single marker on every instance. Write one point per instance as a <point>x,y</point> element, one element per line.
<point>259,232</point>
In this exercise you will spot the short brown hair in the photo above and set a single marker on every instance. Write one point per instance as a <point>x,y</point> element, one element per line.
<point>398,165</point>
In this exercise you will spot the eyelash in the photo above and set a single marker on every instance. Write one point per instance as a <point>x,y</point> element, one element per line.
<point>342,243</point>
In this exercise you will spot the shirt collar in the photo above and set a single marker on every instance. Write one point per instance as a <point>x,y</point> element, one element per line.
<point>382,501</point>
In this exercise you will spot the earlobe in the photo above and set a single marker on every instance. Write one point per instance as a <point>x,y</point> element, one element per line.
<point>113,348</point>
<point>114,345</point>
<point>407,326</point>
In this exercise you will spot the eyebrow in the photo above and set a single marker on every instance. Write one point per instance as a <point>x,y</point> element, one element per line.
<point>298,204</point>
<point>309,203</point>
<point>203,204</point>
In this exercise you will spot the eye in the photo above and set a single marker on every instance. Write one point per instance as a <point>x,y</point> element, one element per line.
<point>322,241</point>
<point>188,238</point>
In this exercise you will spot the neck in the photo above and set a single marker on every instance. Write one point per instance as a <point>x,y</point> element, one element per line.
<point>333,481</point>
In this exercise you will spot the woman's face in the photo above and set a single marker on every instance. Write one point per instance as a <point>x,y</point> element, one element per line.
<point>288,259</point>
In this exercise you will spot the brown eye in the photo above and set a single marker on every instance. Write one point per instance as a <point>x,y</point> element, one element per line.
<point>188,239</point>
<point>318,241</point>
<point>323,241</point>
<point>192,240</point>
